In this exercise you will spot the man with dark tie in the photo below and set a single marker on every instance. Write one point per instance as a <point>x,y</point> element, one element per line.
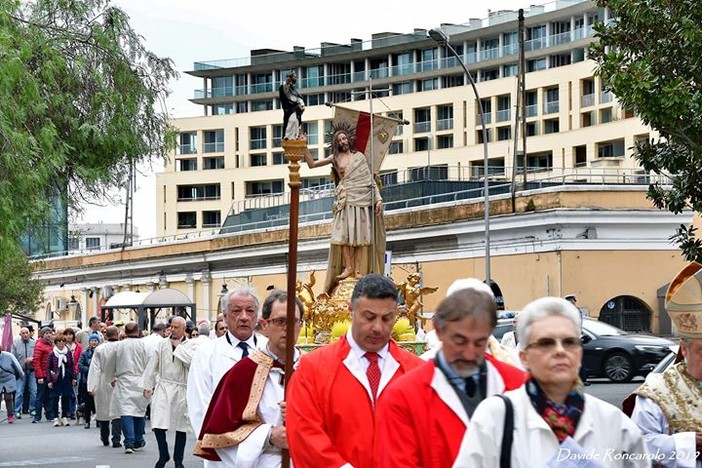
<point>245,426</point>
<point>333,393</point>
<point>213,359</point>
<point>423,418</point>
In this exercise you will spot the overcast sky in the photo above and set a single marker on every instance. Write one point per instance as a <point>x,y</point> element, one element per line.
<point>190,31</point>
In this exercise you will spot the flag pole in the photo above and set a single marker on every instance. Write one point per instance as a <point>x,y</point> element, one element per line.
<point>371,254</point>
<point>294,151</point>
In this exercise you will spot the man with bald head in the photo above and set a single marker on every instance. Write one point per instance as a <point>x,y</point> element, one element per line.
<point>164,383</point>
<point>213,359</point>
<point>23,351</point>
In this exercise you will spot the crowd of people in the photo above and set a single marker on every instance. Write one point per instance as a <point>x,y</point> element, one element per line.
<point>362,401</point>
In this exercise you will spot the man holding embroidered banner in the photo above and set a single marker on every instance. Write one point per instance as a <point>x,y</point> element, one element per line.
<point>668,407</point>
<point>358,231</point>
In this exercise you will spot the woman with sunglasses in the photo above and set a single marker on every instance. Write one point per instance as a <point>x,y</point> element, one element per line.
<point>553,420</point>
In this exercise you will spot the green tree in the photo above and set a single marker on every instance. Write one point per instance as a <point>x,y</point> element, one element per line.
<point>81,99</point>
<point>649,56</point>
<point>19,292</point>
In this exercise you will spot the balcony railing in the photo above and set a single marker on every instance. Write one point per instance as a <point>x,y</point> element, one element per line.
<point>377,73</point>
<point>216,147</point>
<point>422,127</point>
<point>490,54</point>
<point>531,110</point>
<point>606,96</point>
<point>587,100</point>
<point>443,124</point>
<point>487,116</point>
<point>551,107</point>
<point>187,149</point>
<point>503,115</point>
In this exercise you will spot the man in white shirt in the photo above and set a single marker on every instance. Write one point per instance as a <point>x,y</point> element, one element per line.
<point>213,360</point>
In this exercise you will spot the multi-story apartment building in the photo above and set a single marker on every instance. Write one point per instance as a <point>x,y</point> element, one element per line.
<point>229,158</point>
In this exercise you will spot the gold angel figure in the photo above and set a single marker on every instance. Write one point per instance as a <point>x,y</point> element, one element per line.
<point>412,295</point>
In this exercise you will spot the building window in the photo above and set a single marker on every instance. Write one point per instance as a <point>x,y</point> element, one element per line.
<point>489,74</point>
<point>551,126</point>
<point>312,77</point>
<point>316,99</point>
<point>396,147</point>
<point>504,110</point>
<point>580,156</point>
<point>198,192</point>
<point>222,109</point>
<point>258,138</point>
<point>187,143</point>
<point>388,178</point>
<point>444,141</point>
<point>536,38</point>
<point>510,70</point>
<point>490,48</point>
<point>532,104</point>
<point>258,160</point>
<point>187,164</point>
<point>261,83</point>
<point>504,133</point>
<point>560,60</point>
<point>429,84</point>
<point>222,86</point>
<point>532,129</point>
<point>422,120</point>
<point>421,144</point>
<point>312,182</point>
<point>451,81</point>
<point>311,129</point>
<point>187,220</point>
<point>444,117</point>
<point>587,119</point>
<point>278,158</point>
<point>92,243</point>
<point>402,88</point>
<point>260,106</point>
<point>264,187</point>
<point>211,219</point>
<point>606,115</point>
<point>551,105</point>
<point>214,141</point>
<point>213,163</point>
<point>242,107</point>
<point>479,135</point>
<point>540,161</point>
<point>536,64</point>
<point>487,111</point>
<point>610,149</point>
<point>510,44</point>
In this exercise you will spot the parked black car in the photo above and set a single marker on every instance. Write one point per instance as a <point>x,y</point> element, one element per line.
<point>619,355</point>
<point>611,352</point>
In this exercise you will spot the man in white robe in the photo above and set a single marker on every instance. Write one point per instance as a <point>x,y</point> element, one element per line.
<point>168,408</point>
<point>212,361</point>
<point>128,398</point>
<point>100,386</point>
<point>254,438</point>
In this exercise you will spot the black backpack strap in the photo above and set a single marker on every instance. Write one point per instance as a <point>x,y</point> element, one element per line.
<point>507,433</point>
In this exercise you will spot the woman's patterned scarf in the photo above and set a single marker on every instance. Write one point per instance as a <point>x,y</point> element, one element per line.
<point>562,419</point>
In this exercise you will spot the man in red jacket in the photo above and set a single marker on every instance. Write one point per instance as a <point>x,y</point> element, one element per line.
<point>43,347</point>
<point>423,418</point>
<point>333,393</point>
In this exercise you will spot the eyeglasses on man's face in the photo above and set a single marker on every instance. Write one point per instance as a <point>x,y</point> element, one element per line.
<point>281,321</point>
<point>546,344</point>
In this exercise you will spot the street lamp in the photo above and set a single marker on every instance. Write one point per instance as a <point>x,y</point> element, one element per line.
<point>441,38</point>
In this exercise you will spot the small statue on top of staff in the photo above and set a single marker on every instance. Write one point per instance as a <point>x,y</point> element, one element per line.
<point>293,107</point>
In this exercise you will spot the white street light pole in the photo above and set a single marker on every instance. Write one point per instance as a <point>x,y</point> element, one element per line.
<point>440,37</point>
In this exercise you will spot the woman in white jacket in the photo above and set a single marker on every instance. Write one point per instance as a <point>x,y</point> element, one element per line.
<point>554,421</point>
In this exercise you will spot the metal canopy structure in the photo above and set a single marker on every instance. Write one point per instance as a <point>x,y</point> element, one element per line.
<point>147,306</point>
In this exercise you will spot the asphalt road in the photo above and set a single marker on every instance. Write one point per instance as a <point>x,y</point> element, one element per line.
<point>42,445</point>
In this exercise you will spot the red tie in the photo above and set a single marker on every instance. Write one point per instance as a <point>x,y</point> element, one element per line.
<point>373,373</point>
